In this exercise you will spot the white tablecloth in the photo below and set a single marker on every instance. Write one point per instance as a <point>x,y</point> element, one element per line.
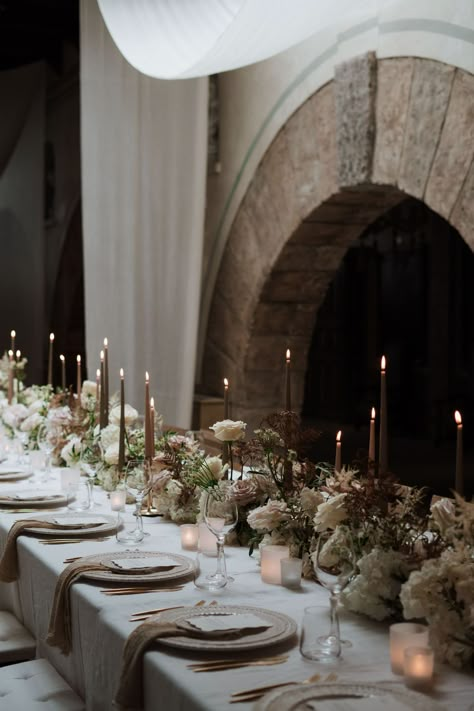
<point>101,626</point>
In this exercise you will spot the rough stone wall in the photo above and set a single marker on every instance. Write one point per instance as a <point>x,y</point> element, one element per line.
<point>377,132</point>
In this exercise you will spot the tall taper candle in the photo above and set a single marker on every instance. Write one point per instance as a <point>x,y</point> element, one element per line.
<point>79,376</point>
<point>121,455</point>
<point>63,372</point>
<point>102,394</point>
<point>13,336</point>
<point>106,381</point>
<point>152,425</point>
<point>459,483</point>
<point>10,376</point>
<point>97,391</point>
<point>383,443</point>
<point>147,417</point>
<point>18,358</point>
<point>288,380</point>
<point>50,359</point>
<point>372,441</point>
<point>338,460</point>
<point>226,399</point>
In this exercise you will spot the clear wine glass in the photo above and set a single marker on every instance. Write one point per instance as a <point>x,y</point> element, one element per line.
<point>88,467</point>
<point>137,483</point>
<point>46,445</point>
<point>220,515</point>
<point>334,565</point>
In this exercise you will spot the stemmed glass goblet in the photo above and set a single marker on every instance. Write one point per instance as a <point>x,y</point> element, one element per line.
<point>87,467</point>
<point>334,564</point>
<point>46,445</point>
<point>137,483</point>
<point>220,515</point>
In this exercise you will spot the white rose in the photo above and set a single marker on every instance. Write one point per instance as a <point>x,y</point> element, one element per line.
<point>310,500</point>
<point>32,422</point>
<point>36,406</point>
<point>229,430</point>
<point>14,415</point>
<point>59,416</point>
<point>443,512</point>
<point>244,491</point>
<point>89,389</point>
<point>111,454</point>
<point>216,468</point>
<point>109,435</point>
<point>71,452</point>
<point>330,513</point>
<point>268,517</point>
<point>130,415</point>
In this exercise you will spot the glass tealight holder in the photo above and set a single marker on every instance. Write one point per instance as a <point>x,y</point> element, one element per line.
<point>418,667</point>
<point>402,636</point>
<point>189,536</point>
<point>270,563</point>
<point>291,569</point>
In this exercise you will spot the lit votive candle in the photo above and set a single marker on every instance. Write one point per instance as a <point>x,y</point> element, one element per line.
<point>270,563</point>
<point>402,636</point>
<point>291,572</point>
<point>418,668</point>
<point>207,540</point>
<point>189,536</point>
<point>117,499</point>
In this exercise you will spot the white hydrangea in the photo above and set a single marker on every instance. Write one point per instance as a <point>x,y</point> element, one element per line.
<point>109,435</point>
<point>130,415</point>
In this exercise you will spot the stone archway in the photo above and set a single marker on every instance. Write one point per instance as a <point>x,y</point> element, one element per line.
<point>379,131</point>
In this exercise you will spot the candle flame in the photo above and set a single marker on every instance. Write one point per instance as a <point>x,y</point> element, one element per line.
<point>288,355</point>
<point>152,403</point>
<point>372,414</point>
<point>62,358</point>
<point>10,353</point>
<point>121,373</point>
<point>147,377</point>
<point>102,355</point>
<point>18,354</point>
<point>97,373</point>
<point>383,364</point>
<point>458,418</point>
<point>13,334</point>
<point>106,342</point>
<point>338,436</point>
<point>78,358</point>
<point>226,383</point>
<point>51,337</point>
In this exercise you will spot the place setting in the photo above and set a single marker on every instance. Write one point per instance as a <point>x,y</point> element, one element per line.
<point>14,472</point>
<point>32,498</point>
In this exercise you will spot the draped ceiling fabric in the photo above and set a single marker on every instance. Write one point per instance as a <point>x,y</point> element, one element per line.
<point>176,39</point>
<point>143,182</point>
<point>22,286</point>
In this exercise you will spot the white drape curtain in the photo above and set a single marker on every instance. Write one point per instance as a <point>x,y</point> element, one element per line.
<point>174,39</point>
<point>143,182</point>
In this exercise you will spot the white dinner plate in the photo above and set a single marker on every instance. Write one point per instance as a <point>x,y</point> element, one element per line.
<point>276,628</point>
<point>14,476</point>
<point>346,697</point>
<point>96,523</point>
<point>31,499</point>
<point>184,567</point>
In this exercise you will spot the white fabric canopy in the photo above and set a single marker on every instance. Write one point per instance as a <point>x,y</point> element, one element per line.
<point>143,182</point>
<point>173,39</point>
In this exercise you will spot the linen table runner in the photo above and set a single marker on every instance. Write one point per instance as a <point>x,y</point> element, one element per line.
<point>59,630</point>
<point>130,692</point>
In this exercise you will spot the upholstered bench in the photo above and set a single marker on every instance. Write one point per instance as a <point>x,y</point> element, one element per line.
<point>36,686</point>
<point>16,643</point>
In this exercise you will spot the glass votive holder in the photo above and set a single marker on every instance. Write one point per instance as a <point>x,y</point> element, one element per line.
<point>270,566</point>
<point>418,667</point>
<point>207,540</point>
<point>189,536</point>
<point>291,569</point>
<point>403,635</point>
<point>118,499</point>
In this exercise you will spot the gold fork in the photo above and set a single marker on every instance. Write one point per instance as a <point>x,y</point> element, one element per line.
<point>145,614</point>
<point>256,693</point>
<point>226,665</point>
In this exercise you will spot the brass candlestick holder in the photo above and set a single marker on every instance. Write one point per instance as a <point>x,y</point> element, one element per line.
<point>148,509</point>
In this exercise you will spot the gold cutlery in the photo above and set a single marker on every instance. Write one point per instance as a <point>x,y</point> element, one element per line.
<point>138,590</point>
<point>72,560</point>
<point>140,616</point>
<point>53,541</point>
<point>233,664</point>
<point>256,693</point>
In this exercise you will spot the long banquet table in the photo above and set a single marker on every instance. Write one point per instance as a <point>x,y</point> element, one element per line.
<point>101,625</point>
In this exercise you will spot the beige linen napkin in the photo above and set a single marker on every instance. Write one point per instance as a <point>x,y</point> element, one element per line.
<point>130,691</point>
<point>59,631</point>
<point>9,561</point>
